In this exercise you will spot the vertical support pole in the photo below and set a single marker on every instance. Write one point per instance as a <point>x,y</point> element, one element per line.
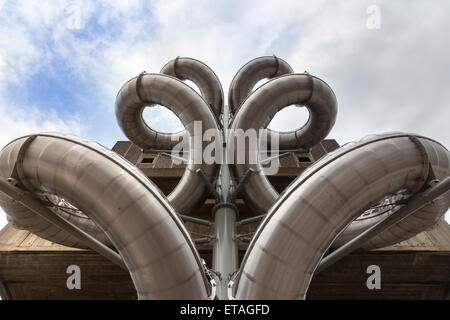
<point>225,251</point>
<point>225,261</point>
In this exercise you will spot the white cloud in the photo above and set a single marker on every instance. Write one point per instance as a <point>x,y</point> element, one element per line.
<point>22,122</point>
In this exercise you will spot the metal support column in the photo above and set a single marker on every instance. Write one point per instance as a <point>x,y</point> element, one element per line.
<point>225,260</point>
<point>225,250</point>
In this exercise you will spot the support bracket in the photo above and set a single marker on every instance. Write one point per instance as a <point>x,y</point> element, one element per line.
<point>435,189</point>
<point>241,184</point>
<point>10,188</point>
<point>207,183</point>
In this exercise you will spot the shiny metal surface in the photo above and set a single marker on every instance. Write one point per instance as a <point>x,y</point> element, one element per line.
<point>34,205</point>
<point>433,191</point>
<point>190,107</point>
<point>426,218</point>
<point>22,218</point>
<point>225,251</point>
<point>268,67</point>
<point>200,74</point>
<point>260,107</point>
<point>243,83</point>
<point>123,203</point>
<point>183,69</point>
<point>327,197</point>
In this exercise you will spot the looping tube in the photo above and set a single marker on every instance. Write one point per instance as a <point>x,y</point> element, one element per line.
<point>267,67</point>
<point>261,106</point>
<point>326,198</point>
<point>203,76</point>
<point>191,109</point>
<point>22,218</point>
<point>210,90</point>
<point>261,196</point>
<point>120,200</point>
<point>242,86</point>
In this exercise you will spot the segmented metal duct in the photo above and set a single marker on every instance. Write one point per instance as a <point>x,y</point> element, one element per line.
<point>133,213</point>
<point>329,195</point>
<point>11,165</point>
<point>210,89</point>
<point>200,74</point>
<point>243,84</point>
<point>190,107</point>
<point>267,67</point>
<point>261,106</point>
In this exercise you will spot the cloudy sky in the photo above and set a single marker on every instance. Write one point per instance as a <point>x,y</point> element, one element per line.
<point>62,62</point>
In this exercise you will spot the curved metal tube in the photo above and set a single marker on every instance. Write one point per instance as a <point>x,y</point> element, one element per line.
<point>172,93</point>
<point>11,165</point>
<point>324,199</point>
<point>260,107</point>
<point>133,213</point>
<point>210,90</point>
<point>20,217</point>
<point>267,67</point>
<point>424,219</point>
<point>244,82</point>
<point>200,74</point>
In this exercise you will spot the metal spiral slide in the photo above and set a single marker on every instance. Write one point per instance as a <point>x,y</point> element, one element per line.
<point>80,194</point>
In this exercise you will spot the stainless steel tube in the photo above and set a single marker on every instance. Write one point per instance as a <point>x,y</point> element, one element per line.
<point>203,76</point>
<point>28,201</point>
<point>193,112</point>
<point>419,201</point>
<point>123,203</point>
<point>243,83</point>
<point>267,67</point>
<point>327,197</point>
<point>256,113</point>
